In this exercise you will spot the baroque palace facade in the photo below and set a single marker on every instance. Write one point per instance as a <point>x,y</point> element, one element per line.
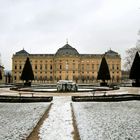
<point>2,74</point>
<point>66,64</point>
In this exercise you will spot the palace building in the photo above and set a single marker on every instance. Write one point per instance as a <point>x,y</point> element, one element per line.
<point>2,74</point>
<point>66,64</point>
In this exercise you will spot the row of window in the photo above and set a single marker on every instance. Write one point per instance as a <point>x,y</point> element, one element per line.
<point>56,61</point>
<point>82,67</point>
<point>67,77</point>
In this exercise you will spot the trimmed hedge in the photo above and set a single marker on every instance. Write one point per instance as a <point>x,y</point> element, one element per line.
<point>21,99</point>
<point>105,98</point>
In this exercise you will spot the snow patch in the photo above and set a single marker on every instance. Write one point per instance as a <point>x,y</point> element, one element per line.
<point>108,120</point>
<point>17,120</point>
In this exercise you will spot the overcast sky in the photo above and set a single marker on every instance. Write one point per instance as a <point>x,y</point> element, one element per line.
<point>91,26</point>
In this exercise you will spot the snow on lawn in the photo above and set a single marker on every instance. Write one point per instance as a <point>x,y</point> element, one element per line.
<point>58,126</point>
<point>17,120</point>
<point>108,120</point>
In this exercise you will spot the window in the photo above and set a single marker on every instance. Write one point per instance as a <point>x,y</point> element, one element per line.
<point>40,77</point>
<point>20,67</point>
<point>92,67</point>
<point>112,66</point>
<point>113,77</point>
<point>97,66</point>
<point>35,77</point>
<point>40,66</point>
<point>15,67</point>
<point>45,66</point>
<point>73,66</point>
<point>50,67</point>
<point>118,78</point>
<point>117,67</point>
<point>78,66</point>
<point>15,78</point>
<point>60,67</point>
<point>45,78</point>
<point>60,77</point>
<point>51,78</point>
<point>35,67</point>
<point>87,67</point>
<point>67,77</point>
<point>82,67</point>
<point>74,77</point>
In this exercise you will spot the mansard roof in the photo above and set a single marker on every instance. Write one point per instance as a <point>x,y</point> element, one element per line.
<point>67,50</point>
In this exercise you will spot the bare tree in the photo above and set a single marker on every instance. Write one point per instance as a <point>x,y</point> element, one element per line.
<point>130,54</point>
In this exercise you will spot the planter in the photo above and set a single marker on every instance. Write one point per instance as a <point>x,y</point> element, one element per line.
<point>103,84</point>
<point>106,98</point>
<point>23,99</point>
<point>136,84</point>
<point>27,84</point>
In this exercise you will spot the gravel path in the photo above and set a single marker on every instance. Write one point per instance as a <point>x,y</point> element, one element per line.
<point>59,124</point>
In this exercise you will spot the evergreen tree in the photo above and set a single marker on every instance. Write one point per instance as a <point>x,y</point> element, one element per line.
<point>0,75</point>
<point>103,73</point>
<point>27,73</point>
<point>135,70</point>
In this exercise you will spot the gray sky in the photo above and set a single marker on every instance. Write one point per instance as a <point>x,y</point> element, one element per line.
<point>91,26</point>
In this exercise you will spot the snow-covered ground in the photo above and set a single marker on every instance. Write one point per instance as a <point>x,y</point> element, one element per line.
<point>17,120</point>
<point>95,120</point>
<point>58,126</point>
<point>108,120</point>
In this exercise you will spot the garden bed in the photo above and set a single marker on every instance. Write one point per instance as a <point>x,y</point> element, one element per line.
<point>21,99</point>
<point>105,98</point>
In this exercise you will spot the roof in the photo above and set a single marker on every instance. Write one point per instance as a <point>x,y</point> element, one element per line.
<point>22,52</point>
<point>1,67</point>
<point>111,52</point>
<point>67,50</point>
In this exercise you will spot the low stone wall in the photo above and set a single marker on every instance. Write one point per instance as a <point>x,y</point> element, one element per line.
<point>21,99</point>
<point>105,98</point>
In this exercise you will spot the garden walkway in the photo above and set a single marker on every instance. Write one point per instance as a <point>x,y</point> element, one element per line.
<point>59,123</point>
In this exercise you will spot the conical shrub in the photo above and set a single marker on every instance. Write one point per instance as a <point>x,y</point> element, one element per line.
<point>103,73</point>
<point>27,73</point>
